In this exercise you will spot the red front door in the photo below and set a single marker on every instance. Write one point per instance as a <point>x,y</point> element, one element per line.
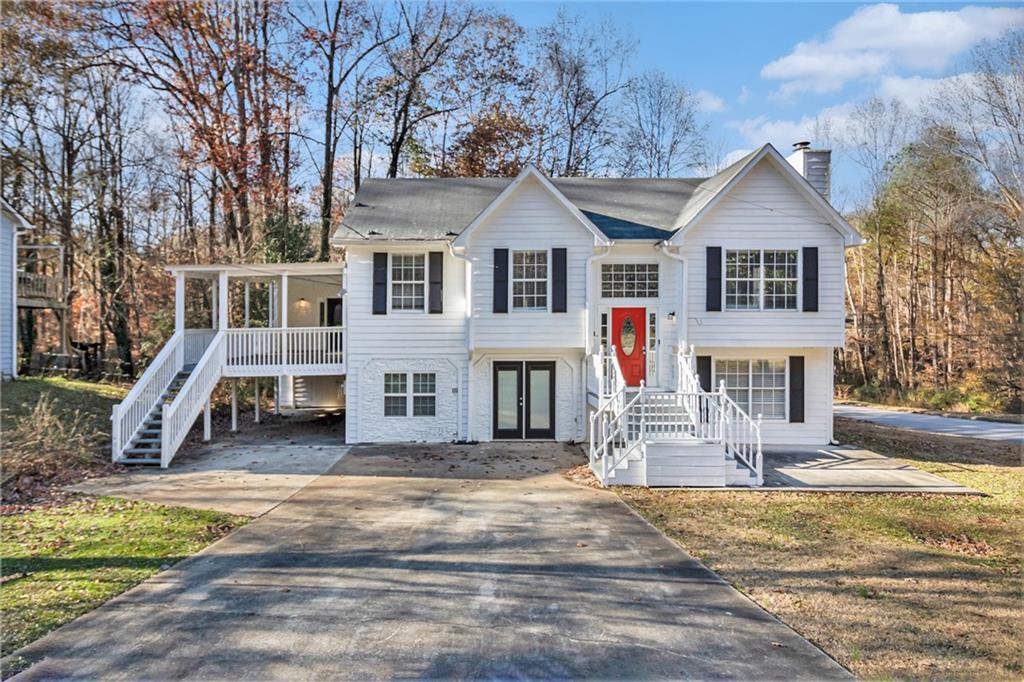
<point>629,334</point>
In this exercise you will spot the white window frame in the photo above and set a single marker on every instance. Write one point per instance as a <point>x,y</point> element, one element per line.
<point>512,281</point>
<point>413,394</point>
<point>404,395</point>
<point>619,299</point>
<point>391,283</point>
<point>750,381</point>
<point>761,280</point>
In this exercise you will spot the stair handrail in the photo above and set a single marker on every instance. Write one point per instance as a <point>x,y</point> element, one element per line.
<point>128,415</point>
<point>180,413</point>
<point>741,434</point>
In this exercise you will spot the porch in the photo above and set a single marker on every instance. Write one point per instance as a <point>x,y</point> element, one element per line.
<point>284,321</point>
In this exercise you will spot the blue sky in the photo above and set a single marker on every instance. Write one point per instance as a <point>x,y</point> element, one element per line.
<point>766,70</point>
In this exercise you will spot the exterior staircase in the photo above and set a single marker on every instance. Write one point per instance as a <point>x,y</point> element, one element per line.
<point>686,437</point>
<point>144,447</point>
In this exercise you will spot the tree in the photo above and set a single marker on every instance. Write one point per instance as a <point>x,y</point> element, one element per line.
<point>661,136</point>
<point>580,69</point>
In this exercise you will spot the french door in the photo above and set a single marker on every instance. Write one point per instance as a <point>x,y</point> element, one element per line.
<point>524,399</point>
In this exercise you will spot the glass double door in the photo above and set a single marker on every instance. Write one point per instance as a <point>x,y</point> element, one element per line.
<point>524,399</point>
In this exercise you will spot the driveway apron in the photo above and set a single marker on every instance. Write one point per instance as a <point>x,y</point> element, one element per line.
<point>436,562</point>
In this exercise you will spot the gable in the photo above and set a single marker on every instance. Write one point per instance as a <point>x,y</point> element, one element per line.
<point>779,192</point>
<point>532,207</point>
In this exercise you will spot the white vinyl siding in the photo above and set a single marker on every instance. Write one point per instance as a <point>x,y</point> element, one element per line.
<point>531,219</point>
<point>764,212</point>
<point>8,268</point>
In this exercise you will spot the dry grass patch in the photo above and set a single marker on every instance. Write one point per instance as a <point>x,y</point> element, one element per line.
<point>892,586</point>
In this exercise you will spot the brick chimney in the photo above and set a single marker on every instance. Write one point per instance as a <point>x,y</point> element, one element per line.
<point>814,164</point>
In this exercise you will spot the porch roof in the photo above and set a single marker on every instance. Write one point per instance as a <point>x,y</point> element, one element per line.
<point>254,270</point>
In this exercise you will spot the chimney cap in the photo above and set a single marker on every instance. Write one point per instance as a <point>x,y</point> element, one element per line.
<point>803,144</point>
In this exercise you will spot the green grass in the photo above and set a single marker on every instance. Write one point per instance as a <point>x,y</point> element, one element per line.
<point>62,562</point>
<point>93,400</point>
<point>893,586</point>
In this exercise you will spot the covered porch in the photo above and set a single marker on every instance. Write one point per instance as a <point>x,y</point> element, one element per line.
<point>276,319</point>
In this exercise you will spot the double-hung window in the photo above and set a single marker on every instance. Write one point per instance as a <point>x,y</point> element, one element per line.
<point>529,280</point>
<point>408,281</point>
<point>397,396</point>
<point>757,279</point>
<point>758,386</point>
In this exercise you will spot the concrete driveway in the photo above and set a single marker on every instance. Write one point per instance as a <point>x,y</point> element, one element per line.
<point>435,562</point>
<point>931,423</point>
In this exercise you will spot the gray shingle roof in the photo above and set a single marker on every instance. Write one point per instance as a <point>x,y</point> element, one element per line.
<point>424,209</point>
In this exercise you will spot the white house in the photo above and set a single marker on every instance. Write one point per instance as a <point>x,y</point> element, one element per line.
<point>674,325</point>
<point>11,222</point>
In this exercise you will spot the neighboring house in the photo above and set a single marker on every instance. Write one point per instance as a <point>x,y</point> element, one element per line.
<point>674,324</point>
<point>11,222</point>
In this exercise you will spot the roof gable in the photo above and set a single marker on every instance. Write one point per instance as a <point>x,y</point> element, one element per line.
<point>506,194</point>
<point>719,186</point>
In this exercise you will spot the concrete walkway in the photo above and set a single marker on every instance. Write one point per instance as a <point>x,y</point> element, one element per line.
<point>930,423</point>
<point>845,468</point>
<point>437,562</point>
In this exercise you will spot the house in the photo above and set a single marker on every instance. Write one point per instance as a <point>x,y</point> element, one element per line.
<point>30,277</point>
<point>676,326</point>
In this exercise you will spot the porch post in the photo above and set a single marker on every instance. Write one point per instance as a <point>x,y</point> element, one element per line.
<point>214,299</point>
<point>206,420</point>
<point>247,303</point>
<point>257,381</point>
<point>179,301</point>
<point>222,301</point>
<point>277,395</point>
<point>234,405</point>
<point>285,357</point>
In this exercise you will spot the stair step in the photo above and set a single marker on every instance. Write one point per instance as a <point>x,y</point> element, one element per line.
<point>139,441</point>
<point>156,430</point>
<point>142,451</point>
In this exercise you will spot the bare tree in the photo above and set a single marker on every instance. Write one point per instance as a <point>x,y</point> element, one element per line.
<point>661,135</point>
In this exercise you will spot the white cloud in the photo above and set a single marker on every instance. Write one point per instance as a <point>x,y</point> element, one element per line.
<point>782,133</point>
<point>744,95</point>
<point>709,101</point>
<point>878,39</point>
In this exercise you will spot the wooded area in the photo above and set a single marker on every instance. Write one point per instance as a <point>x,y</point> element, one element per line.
<point>137,134</point>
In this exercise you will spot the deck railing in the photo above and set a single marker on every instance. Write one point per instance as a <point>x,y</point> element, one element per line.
<point>128,415</point>
<point>288,350</point>
<point>179,414</point>
<point>35,285</point>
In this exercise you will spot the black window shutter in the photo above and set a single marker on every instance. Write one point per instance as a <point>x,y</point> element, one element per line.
<point>796,388</point>
<point>436,268</point>
<point>380,284</point>
<point>810,279</point>
<point>558,281</point>
<point>704,370</point>
<point>714,278</point>
<point>501,280</point>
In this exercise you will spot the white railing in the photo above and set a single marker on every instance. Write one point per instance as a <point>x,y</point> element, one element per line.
<point>285,350</point>
<point>35,285</point>
<point>613,435</point>
<point>741,434</point>
<point>196,343</point>
<point>179,415</point>
<point>128,415</point>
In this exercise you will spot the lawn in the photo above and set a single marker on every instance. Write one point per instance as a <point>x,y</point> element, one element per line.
<point>60,562</point>
<point>55,431</point>
<point>891,586</point>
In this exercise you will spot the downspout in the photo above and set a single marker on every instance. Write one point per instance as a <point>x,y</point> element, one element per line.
<point>583,432</point>
<point>465,397</point>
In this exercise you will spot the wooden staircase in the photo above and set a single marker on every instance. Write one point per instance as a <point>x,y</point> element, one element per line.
<point>145,446</point>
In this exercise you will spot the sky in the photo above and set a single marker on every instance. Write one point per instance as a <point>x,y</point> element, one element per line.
<point>764,71</point>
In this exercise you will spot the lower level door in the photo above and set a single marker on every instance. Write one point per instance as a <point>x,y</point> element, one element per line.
<point>524,400</point>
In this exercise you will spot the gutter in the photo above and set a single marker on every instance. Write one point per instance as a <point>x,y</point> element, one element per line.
<point>467,399</point>
<point>682,318</point>
<point>588,346</point>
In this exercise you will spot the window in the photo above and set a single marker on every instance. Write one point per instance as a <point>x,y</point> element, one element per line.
<point>758,386</point>
<point>760,280</point>
<point>529,280</point>
<point>604,330</point>
<point>629,280</point>
<point>395,389</point>
<point>652,348</point>
<point>408,281</point>
<point>424,394</point>
<point>396,394</point>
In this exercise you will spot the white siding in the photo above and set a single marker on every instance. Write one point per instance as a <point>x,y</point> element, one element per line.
<point>816,428</point>
<point>765,211</point>
<point>8,307</point>
<point>401,340</point>
<point>531,218</point>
